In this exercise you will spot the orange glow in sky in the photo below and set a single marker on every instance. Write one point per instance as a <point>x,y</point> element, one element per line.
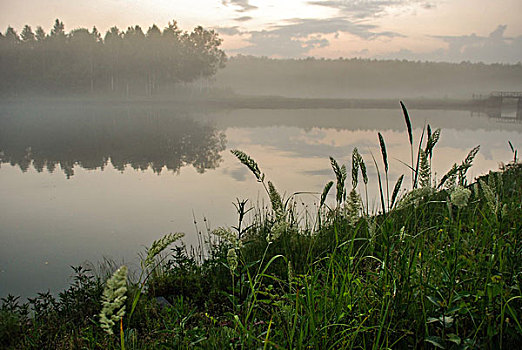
<point>452,30</point>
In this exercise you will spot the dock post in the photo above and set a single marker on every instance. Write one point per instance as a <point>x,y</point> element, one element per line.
<point>519,109</point>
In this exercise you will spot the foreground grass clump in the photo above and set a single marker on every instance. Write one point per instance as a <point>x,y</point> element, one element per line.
<point>438,267</point>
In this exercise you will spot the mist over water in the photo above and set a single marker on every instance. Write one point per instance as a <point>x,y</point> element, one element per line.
<point>365,79</point>
<point>85,182</point>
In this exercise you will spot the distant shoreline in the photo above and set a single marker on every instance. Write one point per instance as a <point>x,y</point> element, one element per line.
<point>252,102</point>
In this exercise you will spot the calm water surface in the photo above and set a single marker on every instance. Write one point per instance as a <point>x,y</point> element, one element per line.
<point>79,183</point>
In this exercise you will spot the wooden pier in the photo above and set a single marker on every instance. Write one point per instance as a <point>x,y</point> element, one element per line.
<point>502,105</point>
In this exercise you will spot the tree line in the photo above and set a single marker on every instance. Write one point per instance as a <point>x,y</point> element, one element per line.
<point>122,62</point>
<point>366,78</point>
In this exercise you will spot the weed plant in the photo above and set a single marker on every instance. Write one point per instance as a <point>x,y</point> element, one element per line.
<point>438,267</point>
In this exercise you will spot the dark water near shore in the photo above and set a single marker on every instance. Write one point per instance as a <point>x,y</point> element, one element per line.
<point>81,183</point>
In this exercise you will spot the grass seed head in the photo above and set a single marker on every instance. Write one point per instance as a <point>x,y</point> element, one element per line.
<point>227,235</point>
<point>408,122</point>
<point>355,167</point>
<point>232,259</point>
<point>275,199</point>
<point>353,207</point>
<point>291,275</point>
<point>396,189</point>
<point>277,230</point>
<point>326,189</point>
<point>249,163</point>
<point>159,245</point>
<point>383,151</point>
<point>490,197</point>
<point>460,196</point>
<point>113,299</point>
<point>424,170</point>
<point>415,197</point>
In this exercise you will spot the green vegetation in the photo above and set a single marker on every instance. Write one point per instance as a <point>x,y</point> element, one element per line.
<point>123,63</point>
<point>438,267</point>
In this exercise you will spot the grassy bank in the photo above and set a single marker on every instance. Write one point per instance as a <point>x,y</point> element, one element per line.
<point>437,267</point>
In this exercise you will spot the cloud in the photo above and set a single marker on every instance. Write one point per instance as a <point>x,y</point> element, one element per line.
<point>243,19</point>
<point>318,172</point>
<point>299,36</point>
<point>305,27</point>
<point>428,6</point>
<point>228,30</point>
<point>489,49</point>
<point>239,173</point>
<point>317,42</point>
<point>370,8</point>
<point>493,48</point>
<point>243,5</point>
<point>266,43</point>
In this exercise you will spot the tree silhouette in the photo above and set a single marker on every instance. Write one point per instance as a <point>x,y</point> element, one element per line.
<point>129,62</point>
<point>94,137</point>
<point>58,30</point>
<point>11,35</point>
<point>28,35</point>
<point>40,34</point>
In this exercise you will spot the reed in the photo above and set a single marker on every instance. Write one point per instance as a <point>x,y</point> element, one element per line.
<point>385,161</point>
<point>410,136</point>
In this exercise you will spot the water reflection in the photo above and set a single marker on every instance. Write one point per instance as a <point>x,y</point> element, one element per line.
<point>92,140</point>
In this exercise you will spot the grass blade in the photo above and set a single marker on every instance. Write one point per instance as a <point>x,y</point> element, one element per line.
<point>418,161</point>
<point>380,185</point>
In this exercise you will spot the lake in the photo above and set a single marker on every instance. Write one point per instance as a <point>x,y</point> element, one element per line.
<point>80,182</point>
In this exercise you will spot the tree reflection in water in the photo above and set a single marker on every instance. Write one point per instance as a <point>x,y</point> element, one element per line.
<point>92,140</point>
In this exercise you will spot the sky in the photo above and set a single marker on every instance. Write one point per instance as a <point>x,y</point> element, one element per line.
<point>434,30</point>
